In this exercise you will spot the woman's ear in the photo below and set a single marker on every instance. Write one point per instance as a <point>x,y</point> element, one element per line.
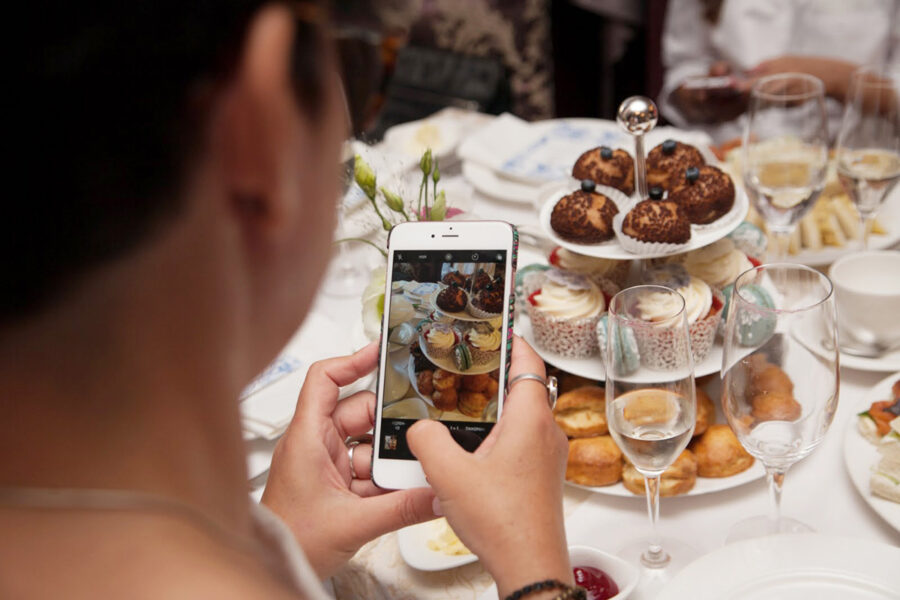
<point>257,126</point>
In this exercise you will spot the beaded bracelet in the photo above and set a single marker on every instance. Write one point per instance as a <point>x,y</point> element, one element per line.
<point>568,593</point>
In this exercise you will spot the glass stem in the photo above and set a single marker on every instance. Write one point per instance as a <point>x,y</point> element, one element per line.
<point>865,223</point>
<point>775,478</point>
<point>780,243</point>
<point>655,556</point>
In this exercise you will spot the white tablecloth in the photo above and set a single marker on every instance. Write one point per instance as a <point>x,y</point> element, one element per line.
<point>818,490</point>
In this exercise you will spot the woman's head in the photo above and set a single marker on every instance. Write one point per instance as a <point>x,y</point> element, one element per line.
<point>151,115</point>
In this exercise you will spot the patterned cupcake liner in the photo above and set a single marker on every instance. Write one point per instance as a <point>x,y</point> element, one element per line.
<point>574,338</point>
<point>435,351</point>
<point>479,313</point>
<point>642,248</point>
<point>660,348</point>
<point>482,357</point>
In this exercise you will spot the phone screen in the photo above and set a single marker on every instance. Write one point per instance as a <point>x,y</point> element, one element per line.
<point>445,341</point>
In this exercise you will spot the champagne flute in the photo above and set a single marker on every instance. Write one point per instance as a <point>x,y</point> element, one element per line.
<point>785,152</point>
<point>778,395</point>
<point>868,147</point>
<point>650,394</point>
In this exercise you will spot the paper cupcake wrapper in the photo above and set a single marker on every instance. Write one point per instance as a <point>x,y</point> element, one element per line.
<point>481,314</point>
<point>435,351</point>
<point>574,338</point>
<point>642,248</point>
<point>482,357</point>
<point>660,349</point>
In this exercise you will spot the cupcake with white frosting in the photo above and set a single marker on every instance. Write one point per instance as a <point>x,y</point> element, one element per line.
<point>589,266</point>
<point>718,264</point>
<point>439,339</point>
<point>702,304</point>
<point>483,343</point>
<point>564,309</point>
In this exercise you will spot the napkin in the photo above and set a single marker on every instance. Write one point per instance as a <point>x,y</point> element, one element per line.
<point>493,144</point>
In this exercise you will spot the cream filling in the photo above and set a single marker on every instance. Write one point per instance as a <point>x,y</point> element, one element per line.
<point>563,301</point>
<point>659,306</point>
<point>485,341</point>
<point>440,338</point>
<point>718,264</point>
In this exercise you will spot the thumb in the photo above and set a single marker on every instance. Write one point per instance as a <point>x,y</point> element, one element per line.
<point>436,450</point>
<point>392,511</point>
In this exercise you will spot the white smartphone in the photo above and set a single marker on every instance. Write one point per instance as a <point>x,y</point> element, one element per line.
<point>445,339</point>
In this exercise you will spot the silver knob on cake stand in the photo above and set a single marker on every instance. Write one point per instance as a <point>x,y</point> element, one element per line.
<point>637,115</point>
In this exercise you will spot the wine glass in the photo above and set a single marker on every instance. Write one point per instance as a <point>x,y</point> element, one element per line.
<point>868,147</point>
<point>650,394</point>
<point>785,152</point>
<point>778,395</point>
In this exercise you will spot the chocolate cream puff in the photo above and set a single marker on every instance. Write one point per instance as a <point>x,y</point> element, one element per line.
<point>584,216</point>
<point>606,166</point>
<point>670,158</point>
<point>704,193</point>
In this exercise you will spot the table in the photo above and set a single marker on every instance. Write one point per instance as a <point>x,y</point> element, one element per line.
<point>818,489</point>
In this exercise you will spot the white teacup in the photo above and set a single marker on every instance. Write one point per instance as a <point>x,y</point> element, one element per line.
<point>867,292</point>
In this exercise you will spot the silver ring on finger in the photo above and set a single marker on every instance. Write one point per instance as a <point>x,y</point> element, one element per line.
<point>351,443</point>
<point>550,383</point>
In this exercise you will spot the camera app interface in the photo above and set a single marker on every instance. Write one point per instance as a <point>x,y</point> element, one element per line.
<point>445,334</point>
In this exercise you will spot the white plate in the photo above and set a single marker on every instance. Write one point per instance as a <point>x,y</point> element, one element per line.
<point>810,336</point>
<point>623,573</point>
<point>888,216</point>
<point>791,566</point>
<point>860,455</point>
<point>413,138</point>
<point>495,185</point>
<point>550,194</point>
<point>447,364</point>
<point>591,367</point>
<point>413,542</point>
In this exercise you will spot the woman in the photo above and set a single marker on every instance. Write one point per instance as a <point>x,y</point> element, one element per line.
<point>754,38</point>
<point>177,222</point>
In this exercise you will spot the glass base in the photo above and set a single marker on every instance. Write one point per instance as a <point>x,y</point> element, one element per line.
<point>654,574</point>
<point>757,527</point>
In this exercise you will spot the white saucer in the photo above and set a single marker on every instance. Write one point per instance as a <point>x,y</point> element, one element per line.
<point>495,185</point>
<point>810,336</point>
<point>413,542</point>
<point>791,566</point>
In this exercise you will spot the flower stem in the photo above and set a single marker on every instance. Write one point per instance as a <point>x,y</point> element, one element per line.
<point>364,241</point>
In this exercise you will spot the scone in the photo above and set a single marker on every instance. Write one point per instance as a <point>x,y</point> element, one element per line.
<point>584,217</point>
<point>704,193</point>
<point>719,453</point>
<point>657,221</point>
<point>594,461</point>
<point>582,412</point>
<point>669,158</point>
<point>606,166</point>
<point>679,478</point>
<point>472,404</point>
<point>706,412</point>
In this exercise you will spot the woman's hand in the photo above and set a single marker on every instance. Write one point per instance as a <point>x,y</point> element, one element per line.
<point>505,500</point>
<point>310,486</point>
<point>834,73</point>
<point>715,105</point>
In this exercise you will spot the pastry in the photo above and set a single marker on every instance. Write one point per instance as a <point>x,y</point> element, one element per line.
<point>657,221</point>
<point>487,302</point>
<point>484,346</point>
<point>472,404</point>
<point>564,312</point>
<point>424,382</point>
<point>445,380</point>
<point>704,193</point>
<point>706,412</point>
<point>679,478</point>
<point>771,391</point>
<point>584,217</point>
<point>476,383</point>
<point>752,332</point>
<point>669,158</point>
<point>454,277</point>
<point>478,281</point>
<point>452,298</point>
<point>775,406</point>
<point>445,399</point>
<point>719,453</point>
<point>420,361</point>
<point>582,412</point>
<point>594,461</point>
<point>703,308</point>
<point>718,264</point>
<point>440,339</point>
<point>589,266</point>
<point>606,166</point>
<point>462,358</point>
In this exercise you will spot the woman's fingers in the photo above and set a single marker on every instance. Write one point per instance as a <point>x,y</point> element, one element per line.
<point>325,378</point>
<point>354,415</point>
<point>385,512</point>
<point>441,457</point>
<point>362,461</point>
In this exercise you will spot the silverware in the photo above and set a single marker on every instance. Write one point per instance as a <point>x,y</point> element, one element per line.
<point>874,350</point>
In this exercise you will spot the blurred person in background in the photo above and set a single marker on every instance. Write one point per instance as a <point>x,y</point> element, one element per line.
<point>182,178</point>
<point>749,39</point>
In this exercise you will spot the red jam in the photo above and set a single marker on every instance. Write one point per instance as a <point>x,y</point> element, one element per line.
<point>754,261</point>
<point>531,299</point>
<point>598,584</point>
<point>554,257</point>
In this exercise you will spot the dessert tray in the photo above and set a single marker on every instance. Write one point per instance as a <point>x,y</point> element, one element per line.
<point>701,236</point>
<point>805,565</point>
<point>447,364</point>
<point>860,455</point>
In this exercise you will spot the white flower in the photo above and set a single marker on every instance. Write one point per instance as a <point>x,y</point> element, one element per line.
<point>373,303</point>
